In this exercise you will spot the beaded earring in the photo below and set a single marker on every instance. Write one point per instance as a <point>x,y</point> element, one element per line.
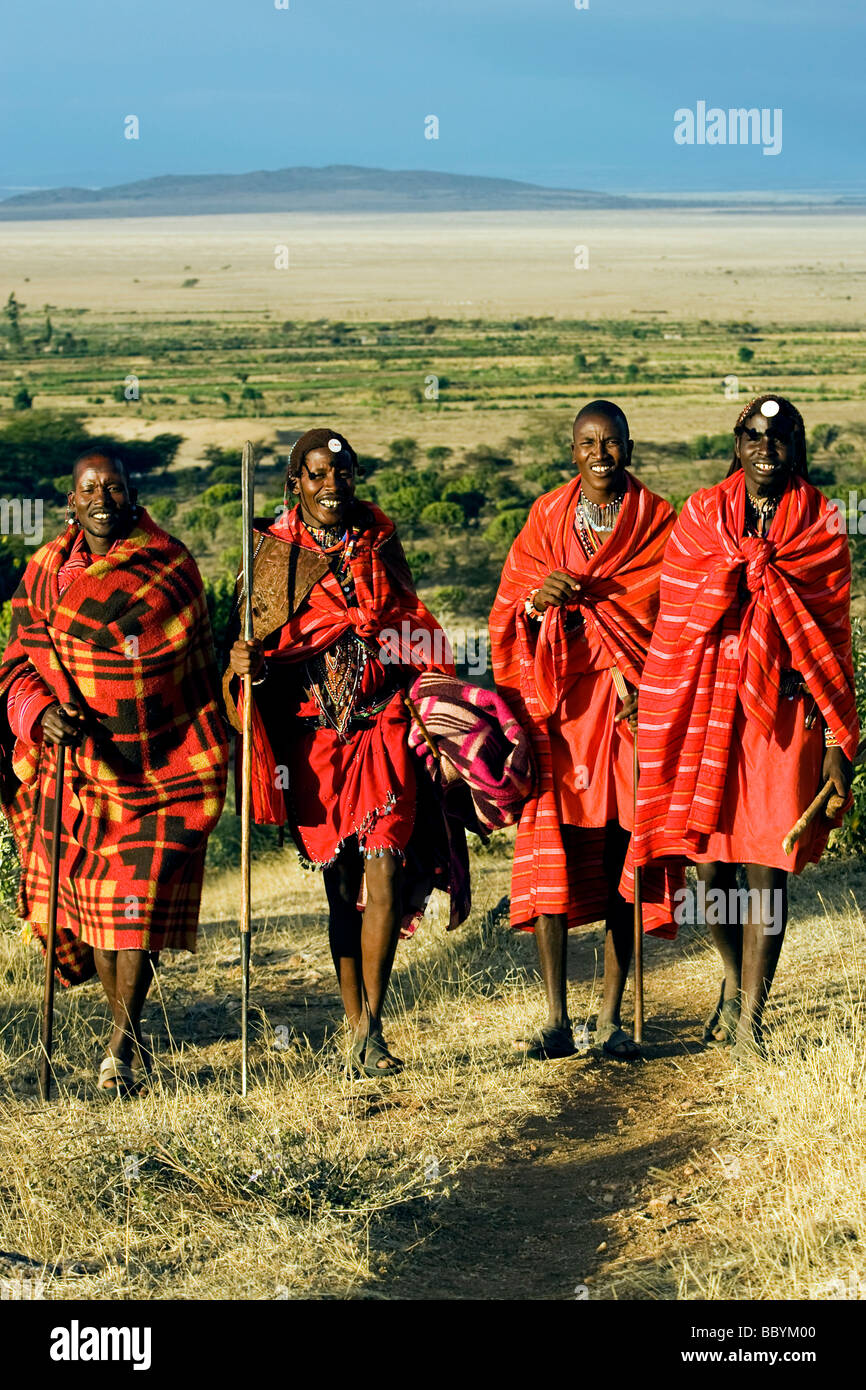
<point>71,518</point>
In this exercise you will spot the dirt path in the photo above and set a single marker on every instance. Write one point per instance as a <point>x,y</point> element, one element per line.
<point>613,1169</point>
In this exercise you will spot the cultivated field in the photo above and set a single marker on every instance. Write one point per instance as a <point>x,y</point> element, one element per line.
<point>452,350</point>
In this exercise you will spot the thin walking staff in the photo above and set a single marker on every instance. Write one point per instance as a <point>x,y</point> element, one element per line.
<point>248,469</point>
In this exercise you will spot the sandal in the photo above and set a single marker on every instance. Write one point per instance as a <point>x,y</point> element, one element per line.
<point>370,1049</point>
<point>615,1042</point>
<point>713,1021</point>
<point>729,1017</point>
<point>549,1044</point>
<point>726,1016</point>
<point>748,1053</point>
<point>115,1077</point>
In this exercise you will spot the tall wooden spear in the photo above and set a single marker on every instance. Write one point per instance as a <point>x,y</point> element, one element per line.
<point>622,692</point>
<point>248,469</point>
<point>51,932</point>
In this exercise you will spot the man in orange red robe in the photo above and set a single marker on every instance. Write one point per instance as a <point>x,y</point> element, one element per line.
<point>573,617</point>
<point>747,703</point>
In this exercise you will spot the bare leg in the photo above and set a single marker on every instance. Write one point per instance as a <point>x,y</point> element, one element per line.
<point>727,935</point>
<point>619,929</point>
<point>763,934</point>
<point>363,945</point>
<point>380,930</point>
<point>126,978</point>
<point>342,882</point>
<point>551,940</point>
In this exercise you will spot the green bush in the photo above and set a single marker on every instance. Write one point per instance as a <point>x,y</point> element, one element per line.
<point>447,515</point>
<point>162,509</point>
<point>505,527</point>
<point>220,595</point>
<point>712,446</point>
<point>224,845</point>
<point>449,599</point>
<point>469,499</point>
<point>10,871</point>
<point>220,493</point>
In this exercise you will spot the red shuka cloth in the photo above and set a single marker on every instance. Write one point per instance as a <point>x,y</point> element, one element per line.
<point>716,745</point>
<point>559,685</point>
<point>363,782</point>
<point>130,639</point>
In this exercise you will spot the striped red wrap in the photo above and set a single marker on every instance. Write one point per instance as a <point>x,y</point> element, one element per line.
<point>734,610</point>
<point>534,663</point>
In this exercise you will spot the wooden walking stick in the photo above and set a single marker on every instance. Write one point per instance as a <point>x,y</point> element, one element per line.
<point>415,714</point>
<point>248,469</point>
<point>821,803</point>
<point>638,924</point>
<point>622,692</point>
<point>51,932</point>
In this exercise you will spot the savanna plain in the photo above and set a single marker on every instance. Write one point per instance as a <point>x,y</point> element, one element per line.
<point>453,351</point>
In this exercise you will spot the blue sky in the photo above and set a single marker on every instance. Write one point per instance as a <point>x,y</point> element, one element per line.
<point>533,90</point>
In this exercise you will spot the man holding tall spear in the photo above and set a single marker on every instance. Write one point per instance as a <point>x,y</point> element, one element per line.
<point>570,630</point>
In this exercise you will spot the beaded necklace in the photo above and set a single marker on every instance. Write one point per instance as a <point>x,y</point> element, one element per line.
<point>601,518</point>
<point>763,509</point>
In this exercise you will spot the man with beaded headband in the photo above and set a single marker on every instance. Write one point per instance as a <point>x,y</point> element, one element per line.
<point>747,704</point>
<point>331,754</point>
<point>570,630</point>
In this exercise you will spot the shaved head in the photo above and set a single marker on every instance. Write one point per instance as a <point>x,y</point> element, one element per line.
<point>96,452</point>
<point>607,408</point>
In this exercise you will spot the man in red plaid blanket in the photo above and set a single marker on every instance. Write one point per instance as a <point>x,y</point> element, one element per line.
<point>571,622</point>
<point>110,656</point>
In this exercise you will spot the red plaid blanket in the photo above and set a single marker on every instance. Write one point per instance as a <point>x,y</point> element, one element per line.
<point>130,640</point>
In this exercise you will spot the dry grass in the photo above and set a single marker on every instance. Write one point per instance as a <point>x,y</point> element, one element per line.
<point>193,1192</point>
<point>317,1186</point>
<point>777,1209</point>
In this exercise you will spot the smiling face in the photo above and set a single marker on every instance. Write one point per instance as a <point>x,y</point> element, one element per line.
<point>103,501</point>
<point>602,451</point>
<point>325,486</point>
<point>765,448</point>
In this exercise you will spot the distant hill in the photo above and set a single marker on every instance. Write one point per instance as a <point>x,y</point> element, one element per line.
<point>349,188</point>
<point>335,188</point>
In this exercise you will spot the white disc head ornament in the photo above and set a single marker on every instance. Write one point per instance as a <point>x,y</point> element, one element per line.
<point>769,409</point>
<point>335,446</point>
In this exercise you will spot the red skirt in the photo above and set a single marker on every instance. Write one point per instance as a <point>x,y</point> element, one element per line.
<point>592,757</point>
<point>768,786</point>
<point>362,785</point>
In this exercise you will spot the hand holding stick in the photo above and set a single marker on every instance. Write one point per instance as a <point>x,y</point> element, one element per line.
<point>821,803</point>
